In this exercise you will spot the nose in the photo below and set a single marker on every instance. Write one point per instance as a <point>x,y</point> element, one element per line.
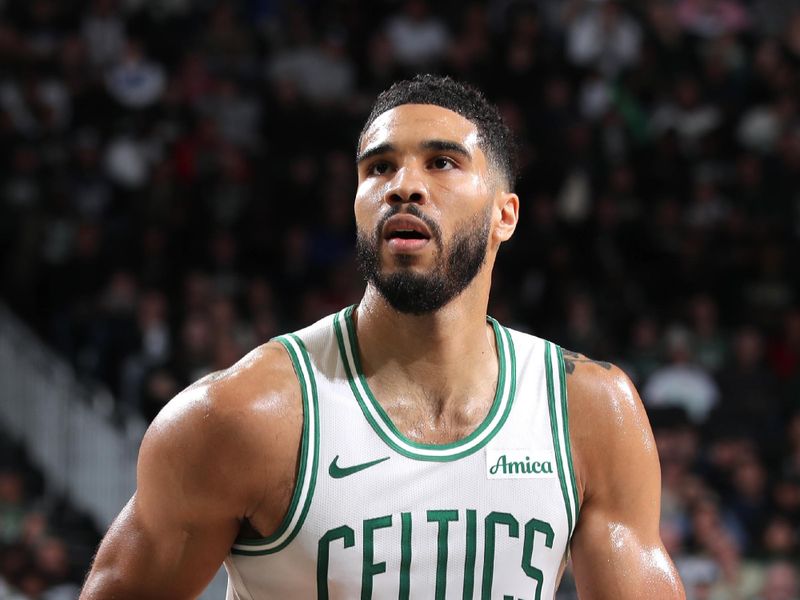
<point>407,185</point>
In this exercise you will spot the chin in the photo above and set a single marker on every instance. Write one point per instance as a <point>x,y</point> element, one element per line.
<point>399,262</point>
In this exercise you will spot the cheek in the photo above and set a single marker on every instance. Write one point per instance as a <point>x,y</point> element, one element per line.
<point>463,187</point>
<point>369,192</point>
<point>465,195</point>
<point>364,205</point>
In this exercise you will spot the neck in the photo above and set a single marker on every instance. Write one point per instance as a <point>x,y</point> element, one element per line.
<point>442,356</point>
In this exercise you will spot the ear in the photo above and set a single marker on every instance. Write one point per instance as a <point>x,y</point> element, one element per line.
<point>508,205</point>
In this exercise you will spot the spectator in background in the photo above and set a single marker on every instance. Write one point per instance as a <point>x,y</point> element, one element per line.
<point>709,209</point>
<point>322,72</point>
<point>713,18</point>
<point>103,31</point>
<point>130,156</point>
<point>154,348</point>
<point>791,35</point>
<point>678,446</point>
<point>419,40</point>
<point>709,344</point>
<point>603,36</point>
<point>760,127</point>
<point>748,196</point>
<point>33,560</point>
<point>135,82</point>
<point>687,114</point>
<point>780,583</point>
<point>470,53</point>
<point>779,539</point>
<point>749,390</point>
<point>643,354</point>
<point>36,105</point>
<point>582,332</point>
<point>673,51</point>
<point>749,502</point>
<point>236,112</point>
<point>12,511</point>
<point>712,567</point>
<point>228,43</point>
<point>681,383</point>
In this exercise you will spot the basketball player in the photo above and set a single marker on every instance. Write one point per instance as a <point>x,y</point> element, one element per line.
<point>410,446</point>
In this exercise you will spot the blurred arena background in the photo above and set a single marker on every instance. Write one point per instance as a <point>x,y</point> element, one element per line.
<point>176,179</point>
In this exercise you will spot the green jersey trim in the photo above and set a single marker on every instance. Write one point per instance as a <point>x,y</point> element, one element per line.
<point>559,427</point>
<point>309,459</point>
<point>565,429</point>
<point>383,425</point>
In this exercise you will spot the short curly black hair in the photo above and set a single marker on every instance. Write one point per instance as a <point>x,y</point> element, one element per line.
<point>494,136</point>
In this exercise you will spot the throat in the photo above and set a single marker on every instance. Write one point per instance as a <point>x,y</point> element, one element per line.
<point>435,378</point>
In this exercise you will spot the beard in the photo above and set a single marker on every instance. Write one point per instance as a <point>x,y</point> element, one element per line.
<point>454,269</point>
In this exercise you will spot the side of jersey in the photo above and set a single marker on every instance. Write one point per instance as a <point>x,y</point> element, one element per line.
<point>377,515</point>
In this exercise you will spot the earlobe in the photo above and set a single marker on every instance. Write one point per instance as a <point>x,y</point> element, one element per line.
<point>509,215</point>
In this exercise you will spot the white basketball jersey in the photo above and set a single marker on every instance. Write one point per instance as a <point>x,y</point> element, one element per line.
<point>377,515</point>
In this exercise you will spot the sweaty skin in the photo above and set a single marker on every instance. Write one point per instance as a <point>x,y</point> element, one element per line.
<point>616,548</point>
<point>222,457</point>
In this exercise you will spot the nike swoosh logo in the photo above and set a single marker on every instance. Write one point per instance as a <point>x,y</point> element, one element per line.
<point>337,472</point>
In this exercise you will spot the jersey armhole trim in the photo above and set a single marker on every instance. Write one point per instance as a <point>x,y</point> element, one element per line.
<point>559,427</point>
<point>309,459</point>
<point>564,407</point>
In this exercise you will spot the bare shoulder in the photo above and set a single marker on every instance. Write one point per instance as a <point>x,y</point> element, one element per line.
<point>250,394</point>
<point>599,390</point>
<point>609,428</point>
<point>235,430</point>
<point>220,453</point>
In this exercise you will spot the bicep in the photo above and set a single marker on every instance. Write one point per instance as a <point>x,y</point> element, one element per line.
<point>614,559</point>
<point>154,555</point>
<point>172,536</point>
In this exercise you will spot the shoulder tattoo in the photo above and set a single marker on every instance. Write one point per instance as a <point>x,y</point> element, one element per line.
<point>572,358</point>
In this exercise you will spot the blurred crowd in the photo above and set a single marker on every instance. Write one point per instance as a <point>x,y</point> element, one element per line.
<point>176,187</point>
<point>44,544</point>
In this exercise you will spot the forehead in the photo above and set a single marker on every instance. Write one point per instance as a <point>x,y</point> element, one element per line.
<point>410,123</point>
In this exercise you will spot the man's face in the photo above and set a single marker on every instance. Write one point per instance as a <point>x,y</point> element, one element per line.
<point>423,206</point>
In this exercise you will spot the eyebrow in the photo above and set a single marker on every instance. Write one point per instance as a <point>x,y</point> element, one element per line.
<point>439,145</point>
<point>379,149</point>
<point>447,146</point>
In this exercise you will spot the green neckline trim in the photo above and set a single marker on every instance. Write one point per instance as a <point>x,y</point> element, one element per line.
<point>386,429</point>
<point>308,446</point>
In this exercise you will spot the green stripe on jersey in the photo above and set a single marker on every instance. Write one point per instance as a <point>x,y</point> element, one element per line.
<point>381,422</point>
<point>309,459</point>
<point>551,403</point>
<point>567,445</point>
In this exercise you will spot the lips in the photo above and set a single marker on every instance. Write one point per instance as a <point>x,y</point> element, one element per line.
<point>406,234</point>
<point>405,227</point>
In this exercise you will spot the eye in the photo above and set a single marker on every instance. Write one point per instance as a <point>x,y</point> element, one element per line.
<point>442,163</point>
<point>378,168</point>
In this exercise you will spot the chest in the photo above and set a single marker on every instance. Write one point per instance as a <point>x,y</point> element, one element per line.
<point>385,515</point>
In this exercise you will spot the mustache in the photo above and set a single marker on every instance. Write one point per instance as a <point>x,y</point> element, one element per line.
<point>414,211</point>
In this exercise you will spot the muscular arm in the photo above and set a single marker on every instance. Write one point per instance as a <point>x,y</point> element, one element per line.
<point>210,460</point>
<point>616,550</point>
